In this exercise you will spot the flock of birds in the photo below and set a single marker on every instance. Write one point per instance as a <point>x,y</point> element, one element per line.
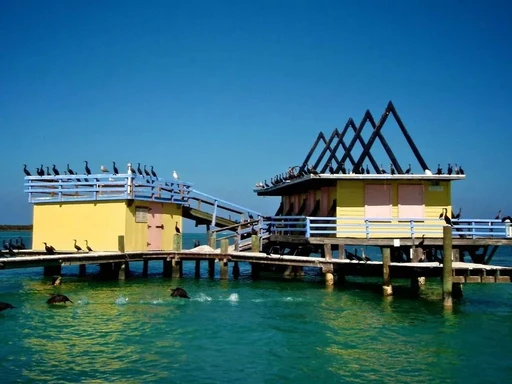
<point>296,173</point>
<point>143,172</point>
<point>11,246</point>
<point>63,299</point>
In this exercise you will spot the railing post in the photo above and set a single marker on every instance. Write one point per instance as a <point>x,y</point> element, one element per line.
<point>473,229</point>
<point>308,227</point>
<point>413,235</point>
<point>367,225</point>
<point>214,216</point>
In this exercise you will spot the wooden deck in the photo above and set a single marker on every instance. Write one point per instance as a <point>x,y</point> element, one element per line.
<point>462,272</point>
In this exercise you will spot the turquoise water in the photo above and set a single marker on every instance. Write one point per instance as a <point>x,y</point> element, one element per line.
<point>267,331</point>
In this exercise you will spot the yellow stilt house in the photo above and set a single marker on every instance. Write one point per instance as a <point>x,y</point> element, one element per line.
<point>112,212</point>
<point>336,200</point>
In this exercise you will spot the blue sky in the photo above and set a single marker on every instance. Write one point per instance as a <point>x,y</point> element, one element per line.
<point>229,93</point>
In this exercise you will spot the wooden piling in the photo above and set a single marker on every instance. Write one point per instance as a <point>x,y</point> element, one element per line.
<point>255,247</point>
<point>447,266</point>
<point>224,248</point>
<point>211,268</point>
<point>82,270</point>
<point>52,270</point>
<point>387,288</point>
<point>176,268</point>
<point>328,269</point>
<point>236,270</point>
<point>197,269</point>
<point>120,243</point>
<point>166,268</point>
<point>123,270</point>
<point>145,268</point>
<point>177,243</point>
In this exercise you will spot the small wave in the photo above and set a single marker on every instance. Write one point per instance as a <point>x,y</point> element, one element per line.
<point>121,300</point>
<point>203,297</point>
<point>233,297</point>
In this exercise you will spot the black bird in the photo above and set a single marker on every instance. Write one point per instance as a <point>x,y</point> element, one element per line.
<point>87,246</point>
<point>26,170</point>
<point>22,244</point>
<point>197,243</point>
<point>382,169</point>
<point>41,171</point>
<point>392,169</point>
<point>461,171</point>
<point>251,217</point>
<point>48,171</point>
<point>179,292</point>
<point>146,172</point>
<point>55,170</point>
<point>87,169</point>
<point>153,173</point>
<point>506,219</point>
<point>408,170</point>
<point>58,299</point>
<point>457,216</point>
<point>116,171</point>
<point>49,249</point>
<point>70,171</point>
<point>367,170</point>
<point>139,171</point>
<point>177,229</point>
<point>331,169</point>
<point>450,169</point>
<point>439,170</point>
<point>4,306</point>
<point>498,216</point>
<point>343,169</point>
<point>77,247</point>
<point>447,219</point>
<point>422,242</point>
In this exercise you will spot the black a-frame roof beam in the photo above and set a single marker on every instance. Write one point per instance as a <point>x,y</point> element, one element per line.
<point>336,147</point>
<point>316,166</point>
<point>408,137</point>
<point>385,145</point>
<point>311,151</point>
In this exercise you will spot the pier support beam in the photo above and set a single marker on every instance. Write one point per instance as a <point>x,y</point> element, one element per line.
<point>82,270</point>
<point>145,268</point>
<point>52,270</point>
<point>123,270</point>
<point>167,268</point>
<point>236,270</point>
<point>197,269</point>
<point>176,268</point>
<point>255,247</point>
<point>224,248</point>
<point>106,270</point>
<point>387,288</point>
<point>211,268</point>
<point>328,269</point>
<point>447,266</point>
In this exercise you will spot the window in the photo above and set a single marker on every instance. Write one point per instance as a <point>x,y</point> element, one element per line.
<point>378,201</point>
<point>411,204</point>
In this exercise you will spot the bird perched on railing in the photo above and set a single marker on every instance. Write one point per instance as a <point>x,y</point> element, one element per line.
<point>116,171</point>
<point>103,169</point>
<point>87,169</point>
<point>87,246</point>
<point>49,249</point>
<point>26,170</point>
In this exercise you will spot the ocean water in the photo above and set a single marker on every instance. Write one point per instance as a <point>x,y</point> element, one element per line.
<point>242,331</point>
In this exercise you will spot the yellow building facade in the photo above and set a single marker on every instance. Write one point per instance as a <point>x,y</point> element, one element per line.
<point>143,225</point>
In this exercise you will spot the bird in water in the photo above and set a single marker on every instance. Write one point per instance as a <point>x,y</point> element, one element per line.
<point>27,173</point>
<point>55,299</point>
<point>175,175</point>
<point>177,229</point>
<point>179,292</point>
<point>57,280</point>
<point>4,306</point>
<point>116,171</point>
<point>77,247</point>
<point>49,249</point>
<point>87,246</point>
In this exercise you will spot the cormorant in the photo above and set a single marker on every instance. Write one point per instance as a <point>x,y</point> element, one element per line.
<point>55,170</point>
<point>153,173</point>
<point>146,172</point>
<point>58,299</point>
<point>87,246</point>
<point>4,306</point>
<point>26,170</point>
<point>77,247</point>
<point>178,230</point>
<point>116,171</point>
<point>87,169</point>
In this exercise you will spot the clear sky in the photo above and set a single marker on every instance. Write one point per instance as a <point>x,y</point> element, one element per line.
<point>229,93</point>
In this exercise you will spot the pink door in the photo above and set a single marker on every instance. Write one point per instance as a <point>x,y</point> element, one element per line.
<point>155,227</point>
<point>378,201</point>
<point>410,202</point>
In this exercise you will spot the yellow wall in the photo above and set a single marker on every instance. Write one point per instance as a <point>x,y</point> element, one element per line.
<point>350,196</point>
<point>99,222</point>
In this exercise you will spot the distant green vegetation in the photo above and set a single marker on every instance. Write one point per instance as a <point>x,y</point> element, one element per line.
<point>7,227</point>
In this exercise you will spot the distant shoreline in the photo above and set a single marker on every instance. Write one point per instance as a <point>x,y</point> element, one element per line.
<point>6,227</point>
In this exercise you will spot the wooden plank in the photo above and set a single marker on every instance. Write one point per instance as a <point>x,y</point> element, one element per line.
<point>458,279</point>
<point>488,279</point>
<point>473,279</point>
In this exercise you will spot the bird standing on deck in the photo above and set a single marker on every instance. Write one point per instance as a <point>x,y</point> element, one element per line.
<point>77,247</point>
<point>175,175</point>
<point>176,228</point>
<point>49,248</point>
<point>26,170</point>
<point>87,246</point>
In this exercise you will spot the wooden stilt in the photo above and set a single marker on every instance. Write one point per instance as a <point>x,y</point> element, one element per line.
<point>106,270</point>
<point>176,268</point>
<point>387,288</point>
<point>211,268</point>
<point>123,270</point>
<point>457,291</point>
<point>328,269</point>
<point>52,270</point>
<point>236,270</point>
<point>197,270</point>
<point>145,268</point>
<point>224,248</point>
<point>82,270</point>
<point>255,247</point>
<point>166,268</point>
<point>447,266</point>
<point>177,242</point>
